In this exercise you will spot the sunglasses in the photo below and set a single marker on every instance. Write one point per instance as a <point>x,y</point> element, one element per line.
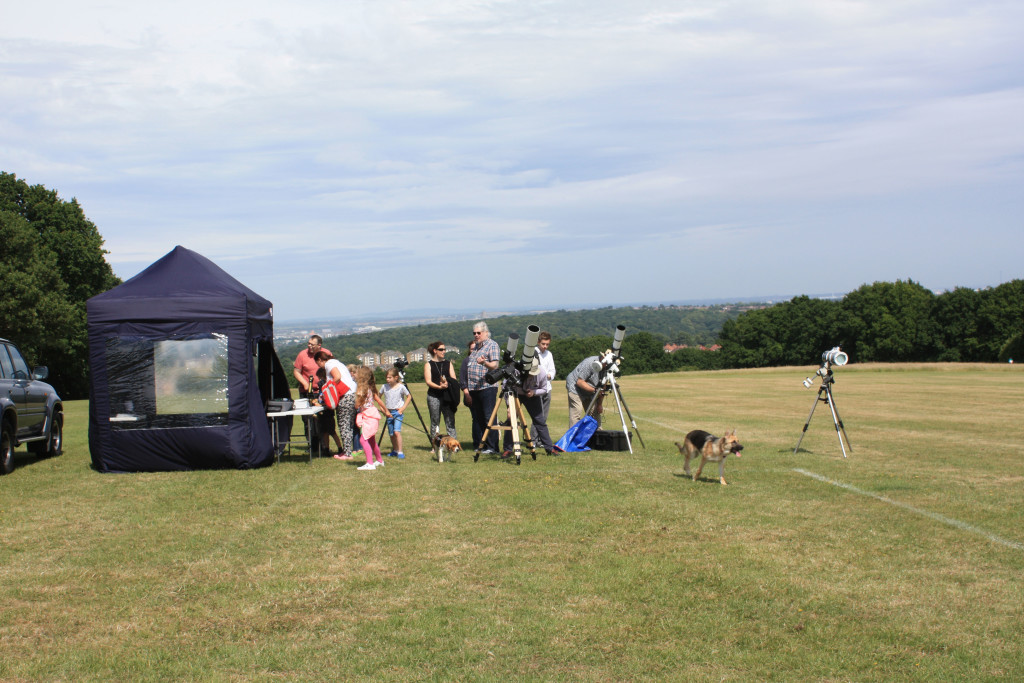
<point>442,349</point>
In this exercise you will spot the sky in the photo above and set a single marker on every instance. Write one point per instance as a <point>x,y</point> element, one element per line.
<point>359,157</point>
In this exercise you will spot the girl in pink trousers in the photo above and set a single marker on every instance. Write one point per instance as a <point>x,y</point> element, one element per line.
<point>368,417</point>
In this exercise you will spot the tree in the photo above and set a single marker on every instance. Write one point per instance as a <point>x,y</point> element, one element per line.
<point>955,315</point>
<point>791,333</point>
<point>1000,317</point>
<point>34,303</point>
<point>45,314</point>
<point>890,322</point>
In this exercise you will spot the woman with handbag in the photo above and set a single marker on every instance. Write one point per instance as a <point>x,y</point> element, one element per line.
<point>442,385</point>
<point>340,380</point>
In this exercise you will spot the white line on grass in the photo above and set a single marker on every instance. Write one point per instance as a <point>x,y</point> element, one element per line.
<point>674,428</point>
<point>931,515</point>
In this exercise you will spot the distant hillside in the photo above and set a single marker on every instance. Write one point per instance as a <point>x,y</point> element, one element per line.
<point>678,324</point>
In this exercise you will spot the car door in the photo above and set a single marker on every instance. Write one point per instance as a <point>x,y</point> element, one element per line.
<point>30,401</point>
<point>10,387</point>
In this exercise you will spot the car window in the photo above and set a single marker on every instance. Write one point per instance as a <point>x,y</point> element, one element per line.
<point>6,367</point>
<point>20,366</point>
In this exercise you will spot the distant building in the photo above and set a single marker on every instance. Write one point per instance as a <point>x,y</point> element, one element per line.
<point>369,359</point>
<point>671,348</point>
<point>417,356</point>
<point>388,358</point>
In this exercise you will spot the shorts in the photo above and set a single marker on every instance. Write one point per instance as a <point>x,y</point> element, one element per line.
<point>395,422</point>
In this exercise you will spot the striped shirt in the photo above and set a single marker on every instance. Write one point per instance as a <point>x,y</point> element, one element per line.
<point>475,372</point>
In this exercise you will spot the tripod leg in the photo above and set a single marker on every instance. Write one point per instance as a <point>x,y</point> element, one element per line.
<point>526,432</point>
<point>430,437</point>
<point>808,423</point>
<point>618,390</point>
<point>840,430</point>
<point>631,420</point>
<point>511,403</point>
<point>622,414</point>
<point>593,402</point>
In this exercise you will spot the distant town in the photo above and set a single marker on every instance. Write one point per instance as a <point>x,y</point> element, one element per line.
<point>285,333</point>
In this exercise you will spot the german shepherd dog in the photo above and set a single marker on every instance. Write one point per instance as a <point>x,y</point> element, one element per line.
<point>710,449</point>
<point>446,447</point>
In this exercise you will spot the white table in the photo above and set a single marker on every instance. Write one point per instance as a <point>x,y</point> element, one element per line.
<point>311,433</point>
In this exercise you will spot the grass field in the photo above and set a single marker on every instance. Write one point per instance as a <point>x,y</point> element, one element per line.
<point>904,561</point>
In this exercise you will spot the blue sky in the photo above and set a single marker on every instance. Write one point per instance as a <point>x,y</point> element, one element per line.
<point>345,158</point>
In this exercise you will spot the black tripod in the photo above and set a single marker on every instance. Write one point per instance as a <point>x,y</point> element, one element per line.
<point>826,388</point>
<point>401,378</point>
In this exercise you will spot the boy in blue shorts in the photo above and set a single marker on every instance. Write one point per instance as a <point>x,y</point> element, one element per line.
<point>396,398</point>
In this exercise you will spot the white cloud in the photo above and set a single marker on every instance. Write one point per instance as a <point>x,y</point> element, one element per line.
<point>240,128</point>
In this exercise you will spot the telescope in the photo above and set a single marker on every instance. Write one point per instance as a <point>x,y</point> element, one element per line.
<point>511,369</point>
<point>608,363</point>
<point>834,356</point>
<point>512,373</point>
<point>607,366</point>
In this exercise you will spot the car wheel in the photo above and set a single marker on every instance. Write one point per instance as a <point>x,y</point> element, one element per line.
<point>56,442</point>
<point>6,450</point>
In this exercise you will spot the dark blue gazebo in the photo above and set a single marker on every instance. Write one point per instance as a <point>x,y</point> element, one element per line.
<point>182,365</point>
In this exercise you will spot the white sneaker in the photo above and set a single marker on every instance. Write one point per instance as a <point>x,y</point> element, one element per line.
<point>367,466</point>
<point>380,463</point>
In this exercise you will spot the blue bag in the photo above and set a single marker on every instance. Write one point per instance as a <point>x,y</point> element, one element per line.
<point>576,437</point>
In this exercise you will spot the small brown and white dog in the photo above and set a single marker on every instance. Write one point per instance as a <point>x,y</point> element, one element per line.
<point>446,447</point>
<point>710,449</point>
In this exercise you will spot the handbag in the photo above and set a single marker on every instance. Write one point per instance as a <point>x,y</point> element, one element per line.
<point>332,393</point>
<point>453,394</point>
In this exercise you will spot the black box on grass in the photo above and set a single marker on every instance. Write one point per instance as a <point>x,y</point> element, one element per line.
<point>604,440</point>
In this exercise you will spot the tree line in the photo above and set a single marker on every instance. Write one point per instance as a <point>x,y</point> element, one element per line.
<point>885,322</point>
<point>51,261</point>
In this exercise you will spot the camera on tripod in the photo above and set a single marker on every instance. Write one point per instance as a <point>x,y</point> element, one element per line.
<point>511,370</point>
<point>401,364</point>
<point>834,356</point>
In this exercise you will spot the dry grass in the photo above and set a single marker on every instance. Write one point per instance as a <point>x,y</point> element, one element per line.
<point>599,566</point>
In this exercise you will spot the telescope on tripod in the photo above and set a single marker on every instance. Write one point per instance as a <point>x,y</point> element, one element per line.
<point>607,366</point>
<point>837,357</point>
<point>511,373</point>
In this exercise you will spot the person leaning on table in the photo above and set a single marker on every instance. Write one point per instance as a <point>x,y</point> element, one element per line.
<point>304,371</point>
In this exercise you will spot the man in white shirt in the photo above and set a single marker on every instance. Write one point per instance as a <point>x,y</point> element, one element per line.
<point>547,364</point>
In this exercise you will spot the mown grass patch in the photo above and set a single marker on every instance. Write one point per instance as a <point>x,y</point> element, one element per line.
<point>597,566</point>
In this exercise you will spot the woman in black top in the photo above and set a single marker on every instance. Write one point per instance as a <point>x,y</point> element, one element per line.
<point>439,375</point>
